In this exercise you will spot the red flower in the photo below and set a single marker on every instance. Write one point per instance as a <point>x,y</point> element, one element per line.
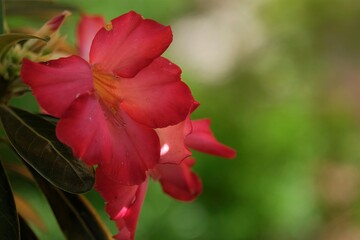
<point>173,171</point>
<point>109,106</point>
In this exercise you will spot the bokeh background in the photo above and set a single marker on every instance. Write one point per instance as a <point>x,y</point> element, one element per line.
<point>280,80</point>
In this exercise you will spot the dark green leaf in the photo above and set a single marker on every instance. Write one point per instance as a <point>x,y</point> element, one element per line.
<point>75,215</point>
<point>9,223</point>
<point>89,216</point>
<point>9,39</point>
<point>26,232</point>
<point>49,118</point>
<point>35,141</point>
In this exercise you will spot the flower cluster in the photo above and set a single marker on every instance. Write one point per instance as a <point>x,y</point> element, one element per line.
<point>123,108</point>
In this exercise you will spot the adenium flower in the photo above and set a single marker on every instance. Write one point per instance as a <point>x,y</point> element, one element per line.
<point>173,172</point>
<point>124,108</point>
<point>109,106</point>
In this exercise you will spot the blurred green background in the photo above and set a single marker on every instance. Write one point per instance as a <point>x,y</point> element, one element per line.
<point>280,80</point>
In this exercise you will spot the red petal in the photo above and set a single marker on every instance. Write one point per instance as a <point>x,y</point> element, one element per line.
<point>123,203</point>
<point>156,96</point>
<point>203,140</point>
<point>129,44</point>
<point>124,148</point>
<point>57,83</point>
<point>87,29</point>
<point>172,142</point>
<point>179,181</point>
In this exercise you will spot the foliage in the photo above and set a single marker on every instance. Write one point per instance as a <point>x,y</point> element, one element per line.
<point>46,160</point>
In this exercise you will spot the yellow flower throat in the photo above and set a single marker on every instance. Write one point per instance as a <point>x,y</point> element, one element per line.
<point>107,88</point>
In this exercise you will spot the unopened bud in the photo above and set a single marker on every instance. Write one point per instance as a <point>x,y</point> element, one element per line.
<point>51,26</point>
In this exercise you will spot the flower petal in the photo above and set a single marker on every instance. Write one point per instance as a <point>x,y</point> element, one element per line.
<point>179,181</point>
<point>156,96</point>
<point>124,149</point>
<point>123,203</point>
<point>129,44</point>
<point>57,83</point>
<point>87,29</point>
<point>203,140</point>
<point>172,142</point>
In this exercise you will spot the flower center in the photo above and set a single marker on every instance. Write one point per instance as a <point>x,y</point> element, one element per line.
<point>107,88</point>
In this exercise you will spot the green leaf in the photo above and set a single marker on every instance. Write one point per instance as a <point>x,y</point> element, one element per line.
<point>76,217</point>
<point>9,39</point>
<point>34,139</point>
<point>27,211</point>
<point>9,223</point>
<point>25,231</point>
